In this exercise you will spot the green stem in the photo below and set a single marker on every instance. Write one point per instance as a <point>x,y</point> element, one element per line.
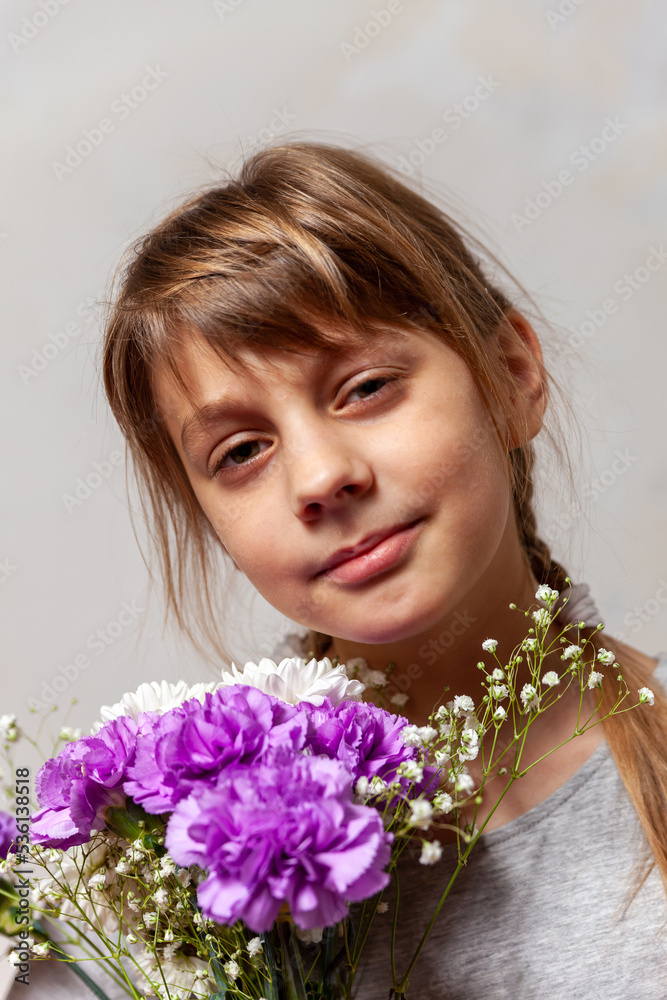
<point>296,985</point>
<point>461,863</point>
<point>393,931</point>
<point>83,976</point>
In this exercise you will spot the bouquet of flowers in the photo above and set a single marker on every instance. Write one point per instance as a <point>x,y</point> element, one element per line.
<point>208,841</point>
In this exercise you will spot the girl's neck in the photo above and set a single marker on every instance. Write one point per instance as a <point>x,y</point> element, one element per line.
<point>445,655</point>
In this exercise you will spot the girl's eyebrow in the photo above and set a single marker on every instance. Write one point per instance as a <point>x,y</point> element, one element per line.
<point>216,411</point>
<point>198,423</point>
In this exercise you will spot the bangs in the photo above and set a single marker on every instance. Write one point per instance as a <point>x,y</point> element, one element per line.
<point>312,248</point>
<point>253,314</point>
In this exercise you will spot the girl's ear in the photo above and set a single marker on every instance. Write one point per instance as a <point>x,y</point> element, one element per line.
<point>520,351</point>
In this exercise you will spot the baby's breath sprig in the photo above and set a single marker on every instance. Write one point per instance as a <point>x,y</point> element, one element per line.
<point>516,692</point>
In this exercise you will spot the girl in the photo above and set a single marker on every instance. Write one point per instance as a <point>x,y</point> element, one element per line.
<point>318,383</point>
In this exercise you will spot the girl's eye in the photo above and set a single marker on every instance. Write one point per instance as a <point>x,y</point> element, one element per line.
<point>240,454</point>
<point>247,451</point>
<point>374,386</point>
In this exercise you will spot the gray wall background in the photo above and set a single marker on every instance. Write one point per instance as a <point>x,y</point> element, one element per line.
<point>384,74</point>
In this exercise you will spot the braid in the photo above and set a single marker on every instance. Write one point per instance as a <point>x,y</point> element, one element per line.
<point>632,738</point>
<point>543,565</point>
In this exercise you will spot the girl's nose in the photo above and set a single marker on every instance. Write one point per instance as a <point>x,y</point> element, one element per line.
<point>325,475</point>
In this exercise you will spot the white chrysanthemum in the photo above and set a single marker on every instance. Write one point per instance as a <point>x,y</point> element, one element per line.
<point>156,696</point>
<point>595,679</point>
<point>646,696</point>
<point>294,680</point>
<point>177,976</point>
<point>431,852</point>
<point>606,657</point>
<point>490,645</point>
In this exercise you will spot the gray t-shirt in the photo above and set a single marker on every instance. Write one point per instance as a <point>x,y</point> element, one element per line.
<point>543,911</point>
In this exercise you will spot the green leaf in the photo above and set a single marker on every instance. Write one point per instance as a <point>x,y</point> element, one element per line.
<point>267,945</point>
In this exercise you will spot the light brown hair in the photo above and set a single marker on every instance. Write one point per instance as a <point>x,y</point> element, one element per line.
<point>308,232</point>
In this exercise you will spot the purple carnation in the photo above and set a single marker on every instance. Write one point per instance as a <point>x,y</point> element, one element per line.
<point>366,738</point>
<point>282,831</point>
<point>194,742</point>
<point>8,834</point>
<point>75,788</point>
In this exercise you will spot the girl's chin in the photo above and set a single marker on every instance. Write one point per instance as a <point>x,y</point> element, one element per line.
<point>385,626</point>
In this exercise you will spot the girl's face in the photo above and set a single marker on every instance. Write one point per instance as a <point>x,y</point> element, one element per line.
<point>296,457</point>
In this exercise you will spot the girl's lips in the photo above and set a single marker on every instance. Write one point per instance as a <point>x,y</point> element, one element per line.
<point>381,557</point>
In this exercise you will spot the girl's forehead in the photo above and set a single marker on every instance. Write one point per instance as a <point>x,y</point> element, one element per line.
<point>195,359</point>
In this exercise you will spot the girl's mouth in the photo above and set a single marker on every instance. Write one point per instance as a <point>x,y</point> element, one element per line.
<point>378,558</point>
